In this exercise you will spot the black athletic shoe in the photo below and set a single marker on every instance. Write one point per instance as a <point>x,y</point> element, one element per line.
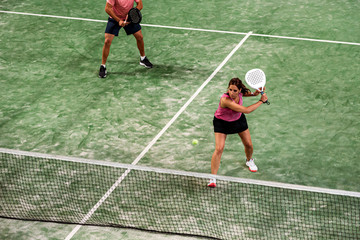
<point>146,63</point>
<point>102,72</point>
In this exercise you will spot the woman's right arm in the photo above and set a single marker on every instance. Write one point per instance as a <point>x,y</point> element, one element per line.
<point>226,102</point>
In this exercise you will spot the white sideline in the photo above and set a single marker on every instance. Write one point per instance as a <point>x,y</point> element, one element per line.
<point>147,148</point>
<point>190,29</point>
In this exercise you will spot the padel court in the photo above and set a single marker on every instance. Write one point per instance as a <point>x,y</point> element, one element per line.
<point>53,102</point>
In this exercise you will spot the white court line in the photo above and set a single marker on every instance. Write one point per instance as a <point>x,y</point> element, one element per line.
<point>182,109</point>
<point>53,16</point>
<point>190,29</point>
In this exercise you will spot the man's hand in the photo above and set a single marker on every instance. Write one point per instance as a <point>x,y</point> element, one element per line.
<point>123,23</point>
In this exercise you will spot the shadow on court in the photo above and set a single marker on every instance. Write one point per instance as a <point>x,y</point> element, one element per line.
<point>159,70</point>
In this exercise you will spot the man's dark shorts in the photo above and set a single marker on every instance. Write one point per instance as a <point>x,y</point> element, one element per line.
<point>113,27</point>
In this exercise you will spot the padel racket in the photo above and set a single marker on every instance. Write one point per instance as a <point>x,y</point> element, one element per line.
<point>256,79</point>
<point>134,16</point>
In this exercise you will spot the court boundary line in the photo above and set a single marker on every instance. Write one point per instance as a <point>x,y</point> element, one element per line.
<point>154,140</point>
<point>189,29</point>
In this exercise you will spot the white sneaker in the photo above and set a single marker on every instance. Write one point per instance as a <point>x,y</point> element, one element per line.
<point>251,165</point>
<point>212,182</point>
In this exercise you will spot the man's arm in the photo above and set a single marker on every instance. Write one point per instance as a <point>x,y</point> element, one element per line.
<point>109,10</point>
<point>139,5</point>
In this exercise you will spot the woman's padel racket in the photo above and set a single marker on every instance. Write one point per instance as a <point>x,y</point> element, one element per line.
<point>134,16</point>
<point>256,79</point>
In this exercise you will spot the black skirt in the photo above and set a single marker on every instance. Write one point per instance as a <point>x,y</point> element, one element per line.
<point>226,127</point>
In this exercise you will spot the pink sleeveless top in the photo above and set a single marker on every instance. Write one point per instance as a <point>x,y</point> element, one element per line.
<point>227,114</point>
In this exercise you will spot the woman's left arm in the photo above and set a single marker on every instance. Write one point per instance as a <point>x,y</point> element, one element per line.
<point>251,94</point>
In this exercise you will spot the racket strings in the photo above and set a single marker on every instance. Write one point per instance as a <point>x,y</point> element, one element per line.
<point>256,77</point>
<point>134,16</point>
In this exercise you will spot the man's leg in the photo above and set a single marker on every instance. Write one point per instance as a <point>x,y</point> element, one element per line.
<point>144,61</point>
<point>106,50</point>
<point>140,42</point>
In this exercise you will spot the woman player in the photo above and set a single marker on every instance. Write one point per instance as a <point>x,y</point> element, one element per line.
<point>229,118</point>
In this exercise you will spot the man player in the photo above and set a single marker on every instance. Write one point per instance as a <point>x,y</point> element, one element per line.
<point>118,10</point>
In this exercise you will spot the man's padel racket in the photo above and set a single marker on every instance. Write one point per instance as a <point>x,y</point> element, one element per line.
<point>134,16</point>
<point>256,79</point>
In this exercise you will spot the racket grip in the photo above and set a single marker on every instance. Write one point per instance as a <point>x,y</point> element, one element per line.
<point>267,102</point>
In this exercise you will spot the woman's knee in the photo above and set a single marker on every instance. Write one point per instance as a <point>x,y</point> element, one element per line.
<point>219,150</point>
<point>248,145</point>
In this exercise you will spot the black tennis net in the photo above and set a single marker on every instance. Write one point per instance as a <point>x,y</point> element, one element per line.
<point>80,191</point>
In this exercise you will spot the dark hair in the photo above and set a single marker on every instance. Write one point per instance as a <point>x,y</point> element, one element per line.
<point>237,82</point>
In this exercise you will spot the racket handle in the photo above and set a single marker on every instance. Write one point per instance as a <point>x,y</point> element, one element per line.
<point>267,102</point>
